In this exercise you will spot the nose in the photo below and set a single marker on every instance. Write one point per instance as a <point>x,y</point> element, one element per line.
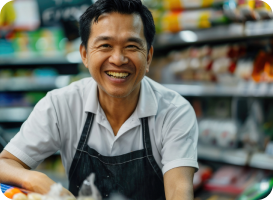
<point>118,58</point>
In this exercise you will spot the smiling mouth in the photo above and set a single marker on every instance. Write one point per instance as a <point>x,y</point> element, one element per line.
<point>118,75</point>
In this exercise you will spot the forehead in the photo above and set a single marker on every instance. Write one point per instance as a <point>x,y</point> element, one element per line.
<point>118,26</point>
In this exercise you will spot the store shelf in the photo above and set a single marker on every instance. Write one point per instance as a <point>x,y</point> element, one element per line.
<point>234,157</point>
<point>235,31</point>
<point>57,58</point>
<point>261,161</point>
<point>15,114</point>
<point>33,83</point>
<point>242,90</point>
<point>34,60</point>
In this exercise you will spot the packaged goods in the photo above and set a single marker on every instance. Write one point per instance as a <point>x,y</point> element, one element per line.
<point>11,192</point>
<point>88,189</point>
<point>185,4</point>
<point>174,21</point>
<point>20,196</point>
<point>263,68</point>
<point>263,9</point>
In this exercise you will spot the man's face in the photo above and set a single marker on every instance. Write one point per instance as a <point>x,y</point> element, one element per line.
<point>116,54</point>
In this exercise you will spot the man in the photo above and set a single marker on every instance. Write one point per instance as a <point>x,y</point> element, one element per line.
<point>139,138</point>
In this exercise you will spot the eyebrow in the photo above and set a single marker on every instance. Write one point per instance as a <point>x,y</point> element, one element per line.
<point>130,39</point>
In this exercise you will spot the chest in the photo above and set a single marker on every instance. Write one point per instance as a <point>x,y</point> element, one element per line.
<point>103,140</point>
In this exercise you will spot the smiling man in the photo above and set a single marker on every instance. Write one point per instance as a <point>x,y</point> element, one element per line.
<point>139,138</point>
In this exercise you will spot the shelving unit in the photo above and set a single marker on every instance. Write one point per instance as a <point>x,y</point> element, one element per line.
<point>14,114</point>
<point>235,157</point>
<point>250,89</point>
<point>234,31</point>
<point>33,83</point>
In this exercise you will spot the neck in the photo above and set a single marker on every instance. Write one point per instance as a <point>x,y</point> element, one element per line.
<point>118,110</point>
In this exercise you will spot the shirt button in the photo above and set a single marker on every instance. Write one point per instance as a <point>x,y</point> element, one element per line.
<point>107,176</point>
<point>106,195</point>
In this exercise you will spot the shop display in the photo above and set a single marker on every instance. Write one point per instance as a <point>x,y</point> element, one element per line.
<point>176,15</point>
<point>230,64</point>
<point>233,180</point>
<point>219,133</point>
<point>42,42</point>
<point>171,21</point>
<point>201,176</point>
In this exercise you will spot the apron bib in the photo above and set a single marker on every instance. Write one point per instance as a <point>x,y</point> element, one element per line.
<point>136,175</point>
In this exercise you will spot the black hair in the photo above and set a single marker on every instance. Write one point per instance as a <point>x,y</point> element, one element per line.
<point>93,13</point>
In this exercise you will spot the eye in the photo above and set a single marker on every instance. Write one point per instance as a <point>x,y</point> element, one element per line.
<point>132,47</point>
<point>105,46</point>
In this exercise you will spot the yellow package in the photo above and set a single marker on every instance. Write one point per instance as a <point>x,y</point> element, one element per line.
<point>7,14</point>
<point>187,4</point>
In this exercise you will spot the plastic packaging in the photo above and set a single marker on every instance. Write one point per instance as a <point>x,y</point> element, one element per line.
<point>88,189</point>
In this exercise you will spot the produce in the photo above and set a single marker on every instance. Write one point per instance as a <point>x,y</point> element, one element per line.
<point>20,196</point>
<point>11,192</point>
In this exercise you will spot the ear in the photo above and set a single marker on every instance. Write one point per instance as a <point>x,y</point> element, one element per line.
<point>150,58</point>
<point>83,53</point>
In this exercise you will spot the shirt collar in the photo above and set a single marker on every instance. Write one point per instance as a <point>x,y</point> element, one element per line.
<point>147,104</point>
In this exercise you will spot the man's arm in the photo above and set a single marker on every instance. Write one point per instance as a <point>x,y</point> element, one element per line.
<point>13,171</point>
<point>178,183</point>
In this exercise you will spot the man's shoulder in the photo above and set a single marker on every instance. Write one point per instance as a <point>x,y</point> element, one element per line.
<point>164,95</point>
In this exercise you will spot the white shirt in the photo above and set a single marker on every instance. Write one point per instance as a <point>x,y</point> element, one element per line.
<point>57,121</point>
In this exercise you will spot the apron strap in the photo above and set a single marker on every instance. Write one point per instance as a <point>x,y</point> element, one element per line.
<point>83,140</point>
<point>148,147</point>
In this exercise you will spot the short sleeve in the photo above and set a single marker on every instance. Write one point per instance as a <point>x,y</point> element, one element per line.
<point>180,137</point>
<point>39,136</point>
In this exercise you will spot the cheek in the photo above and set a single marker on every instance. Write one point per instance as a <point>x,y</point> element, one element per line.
<point>95,62</point>
<point>141,63</point>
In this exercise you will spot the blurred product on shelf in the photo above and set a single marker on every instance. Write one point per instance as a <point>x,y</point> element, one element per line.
<point>19,15</point>
<point>20,99</point>
<point>263,68</point>
<point>219,133</point>
<point>48,42</point>
<point>181,4</point>
<point>234,180</point>
<point>230,65</point>
<point>201,176</point>
<point>174,21</point>
<point>176,15</point>
<point>7,15</point>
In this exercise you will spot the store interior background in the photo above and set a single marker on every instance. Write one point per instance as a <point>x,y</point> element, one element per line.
<point>218,54</point>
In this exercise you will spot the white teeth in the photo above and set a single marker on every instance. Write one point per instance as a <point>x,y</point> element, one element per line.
<point>118,75</point>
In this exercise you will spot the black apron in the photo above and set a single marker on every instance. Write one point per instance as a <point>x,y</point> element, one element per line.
<point>136,175</point>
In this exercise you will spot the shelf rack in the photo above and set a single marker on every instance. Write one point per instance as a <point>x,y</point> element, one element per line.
<point>33,83</point>
<point>14,114</point>
<point>241,90</point>
<point>234,31</point>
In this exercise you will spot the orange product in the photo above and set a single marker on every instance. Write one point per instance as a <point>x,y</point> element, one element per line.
<point>259,64</point>
<point>11,192</point>
<point>186,4</point>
